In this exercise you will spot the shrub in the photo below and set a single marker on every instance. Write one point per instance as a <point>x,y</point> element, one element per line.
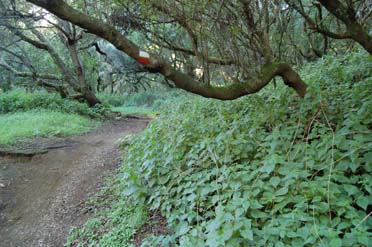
<point>112,99</point>
<point>153,99</point>
<point>19,100</point>
<point>265,170</point>
<point>242,174</point>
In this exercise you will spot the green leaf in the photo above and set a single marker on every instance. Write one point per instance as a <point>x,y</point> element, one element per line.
<point>350,189</point>
<point>364,239</point>
<point>129,191</point>
<point>336,242</point>
<point>247,234</point>
<point>182,228</point>
<point>258,214</point>
<point>363,202</point>
<point>343,225</point>
<point>297,242</point>
<point>274,181</point>
<point>279,244</point>
<point>268,167</point>
<point>239,212</point>
<point>227,231</point>
<point>282,191</point>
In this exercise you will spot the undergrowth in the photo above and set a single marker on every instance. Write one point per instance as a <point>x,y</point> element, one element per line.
<point>265,170</point>
<point>112,99</point>
<point>19,100</point>
<point>147,103</point>
<point>151,99</point>
<point>115,223</point>
<point>136,110</point>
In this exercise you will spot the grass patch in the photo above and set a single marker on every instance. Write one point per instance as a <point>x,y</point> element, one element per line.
<point>44,123</point>
<point>136,110</point>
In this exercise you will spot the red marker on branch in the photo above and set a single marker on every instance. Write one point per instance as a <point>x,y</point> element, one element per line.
<point>143,57</point>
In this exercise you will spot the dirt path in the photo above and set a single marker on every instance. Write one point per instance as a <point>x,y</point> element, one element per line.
<point>41,197</point>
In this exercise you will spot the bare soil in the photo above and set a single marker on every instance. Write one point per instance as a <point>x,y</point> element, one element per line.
<point>41,197</point>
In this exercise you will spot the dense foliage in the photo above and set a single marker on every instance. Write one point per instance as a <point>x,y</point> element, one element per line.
<point>20,100</point>
<point>147,103</point>
<point>267,170</point>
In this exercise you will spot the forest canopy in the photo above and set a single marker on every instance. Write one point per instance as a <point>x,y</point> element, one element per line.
<point>217,49</point>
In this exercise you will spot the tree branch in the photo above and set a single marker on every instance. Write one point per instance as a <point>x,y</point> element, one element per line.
<point>159,65</point>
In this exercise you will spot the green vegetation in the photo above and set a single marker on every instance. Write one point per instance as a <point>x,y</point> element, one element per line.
<point>151,99</point>
<point>40,114</point>
<point>20,100</point>
<point>43,123</point>
<point>148,103</point>
<point>114,100</point>
<point>290,165</point>
<point>239,173</point>
<point>120,217</point>
<point>135,110</point>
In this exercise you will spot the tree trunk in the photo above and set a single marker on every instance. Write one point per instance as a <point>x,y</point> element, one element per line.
<point>84,87</point>
<point>91,98</point>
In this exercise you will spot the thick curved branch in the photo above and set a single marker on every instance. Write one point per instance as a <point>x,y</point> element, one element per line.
<point>159,65</point>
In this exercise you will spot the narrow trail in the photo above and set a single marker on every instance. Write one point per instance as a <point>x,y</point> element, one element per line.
<point>41,197</point>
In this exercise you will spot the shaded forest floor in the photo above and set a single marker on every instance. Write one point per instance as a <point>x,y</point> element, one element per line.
<point>42,197</point>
